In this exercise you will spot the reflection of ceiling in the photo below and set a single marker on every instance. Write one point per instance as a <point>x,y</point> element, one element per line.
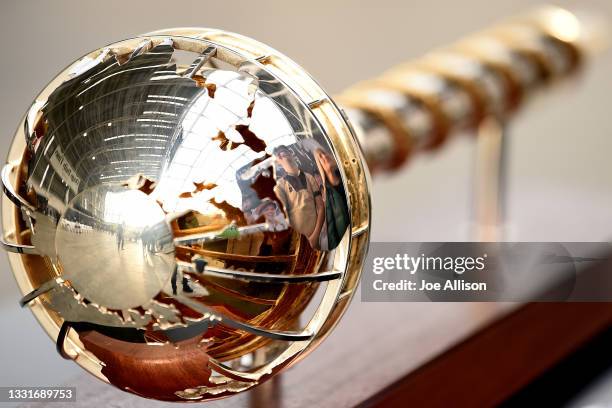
<point>199,157</point>
<point>113,121</point>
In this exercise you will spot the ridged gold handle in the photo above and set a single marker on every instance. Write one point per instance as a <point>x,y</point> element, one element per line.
<point>416,106</point>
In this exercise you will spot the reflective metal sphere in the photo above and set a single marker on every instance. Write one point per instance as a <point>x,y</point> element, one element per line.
<point>190,213</point>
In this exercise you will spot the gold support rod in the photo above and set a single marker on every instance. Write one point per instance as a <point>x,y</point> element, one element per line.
<point>489,180</point>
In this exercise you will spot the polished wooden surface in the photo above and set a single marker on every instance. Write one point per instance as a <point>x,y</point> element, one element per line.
<point>497,362</point>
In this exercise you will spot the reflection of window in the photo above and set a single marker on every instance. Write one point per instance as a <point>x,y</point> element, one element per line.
<point>112,207</point>
<point>199,158</point>
<point>130,208</point>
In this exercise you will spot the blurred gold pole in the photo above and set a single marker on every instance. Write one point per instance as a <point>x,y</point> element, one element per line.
<point>417,106</point>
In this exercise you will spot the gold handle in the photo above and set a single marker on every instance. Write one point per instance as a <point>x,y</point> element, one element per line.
<point>417,105</point>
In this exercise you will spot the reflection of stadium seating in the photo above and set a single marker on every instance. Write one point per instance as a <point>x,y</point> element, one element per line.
<point>178,232</point>
<point>250,258</point>
<point>234,258</point>
<point>253,293</point>
<point>257,303</point>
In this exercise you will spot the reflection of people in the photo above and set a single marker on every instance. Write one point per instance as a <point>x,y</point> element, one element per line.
<point>336,208</point>
<point>277,233</point>
<point>188,221</point>
<point>184,282</point>
<point>300,195</point>
<point>120,237</point>
<point>249,244</point>
<point>249,206</point>
<point>272,215</point>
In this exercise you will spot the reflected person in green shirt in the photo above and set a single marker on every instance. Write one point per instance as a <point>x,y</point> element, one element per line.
<point>337,215</point>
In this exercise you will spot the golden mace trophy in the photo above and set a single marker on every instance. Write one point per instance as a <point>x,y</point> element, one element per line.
<point>188,212</point>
